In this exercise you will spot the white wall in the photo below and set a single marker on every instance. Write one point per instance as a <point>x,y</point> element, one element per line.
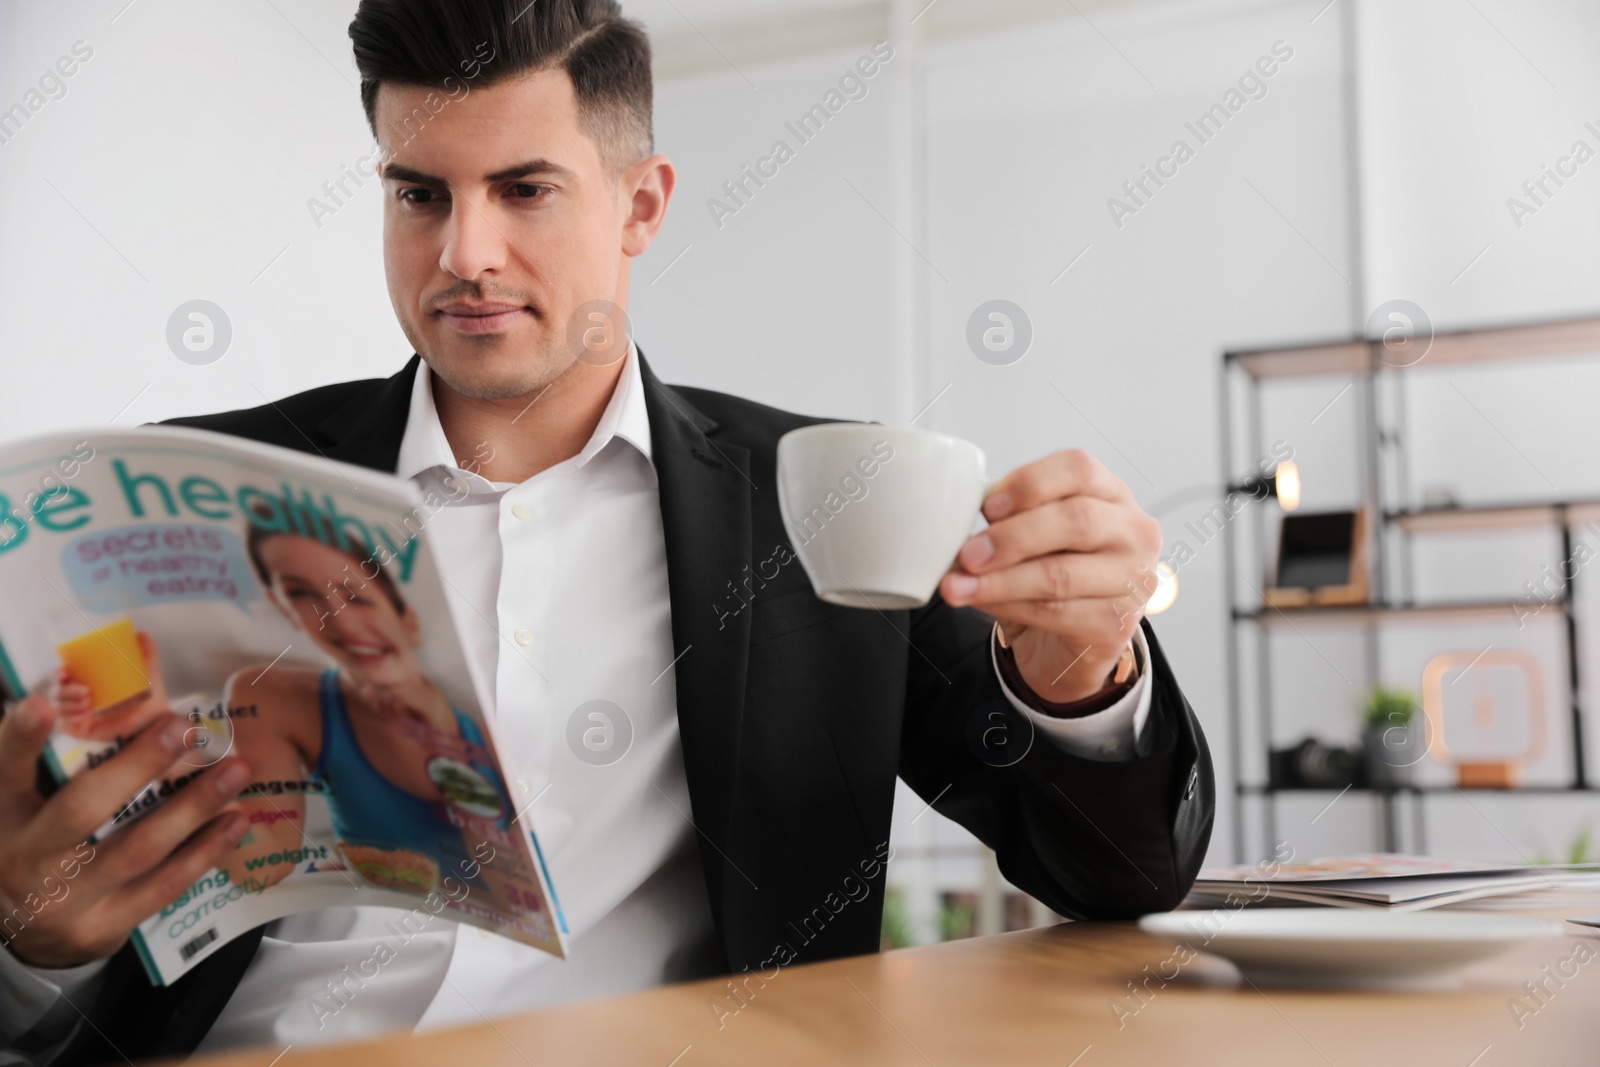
<point>178,166</point>
<point>787,301</point>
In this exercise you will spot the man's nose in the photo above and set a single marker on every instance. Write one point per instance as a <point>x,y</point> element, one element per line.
<point>472,245</point>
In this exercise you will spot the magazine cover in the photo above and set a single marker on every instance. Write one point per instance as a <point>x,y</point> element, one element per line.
<point>289,607</point>
<point>1341,868</point>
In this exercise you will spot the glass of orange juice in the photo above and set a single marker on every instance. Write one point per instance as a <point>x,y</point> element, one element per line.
<point>109,662</point>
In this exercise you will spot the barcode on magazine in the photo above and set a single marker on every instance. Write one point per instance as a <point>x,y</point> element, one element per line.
<point>187,952</point>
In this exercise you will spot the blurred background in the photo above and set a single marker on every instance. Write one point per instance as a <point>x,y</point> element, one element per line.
<point>1339,157</point>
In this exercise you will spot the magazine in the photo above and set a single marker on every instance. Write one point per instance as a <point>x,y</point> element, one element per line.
<point>289,607</point>
<point>1392,881</point>
<point>1371,865</point>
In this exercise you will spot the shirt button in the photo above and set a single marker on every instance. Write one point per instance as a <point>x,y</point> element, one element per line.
<point>519,510</point>
<point>523,637</point>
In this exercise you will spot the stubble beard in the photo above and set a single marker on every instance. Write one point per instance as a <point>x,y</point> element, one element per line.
<point>532,373</point>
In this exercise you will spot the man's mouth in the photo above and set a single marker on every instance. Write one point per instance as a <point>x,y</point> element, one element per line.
<point>481,318</point>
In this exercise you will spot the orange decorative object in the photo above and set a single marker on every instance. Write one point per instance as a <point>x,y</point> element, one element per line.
<point>1493,774</point>
<point>1479,773</point>
<point>109,662</point>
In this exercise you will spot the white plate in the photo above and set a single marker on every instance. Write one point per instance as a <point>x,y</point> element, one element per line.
<point>1346,948</point>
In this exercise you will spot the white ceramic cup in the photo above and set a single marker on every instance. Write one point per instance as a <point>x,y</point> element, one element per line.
<point>877,514</point>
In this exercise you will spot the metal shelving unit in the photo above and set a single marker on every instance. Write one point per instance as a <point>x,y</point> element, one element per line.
<point>1382,447</point>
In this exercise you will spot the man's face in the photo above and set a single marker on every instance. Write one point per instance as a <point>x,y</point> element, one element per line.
<point>500,221</point>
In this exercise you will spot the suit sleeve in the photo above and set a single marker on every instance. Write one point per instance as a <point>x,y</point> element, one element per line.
<point>1108,734</point>
<point>1091,838</point>
<point>39,1007</point>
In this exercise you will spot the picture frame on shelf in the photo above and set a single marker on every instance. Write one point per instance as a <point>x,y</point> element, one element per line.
<point>1322,560</point>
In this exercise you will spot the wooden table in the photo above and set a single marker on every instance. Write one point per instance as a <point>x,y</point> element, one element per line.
<point>1042,996</point>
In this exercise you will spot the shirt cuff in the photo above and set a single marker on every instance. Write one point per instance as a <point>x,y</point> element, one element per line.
<point>1107,735</point>
<point>28,994</point>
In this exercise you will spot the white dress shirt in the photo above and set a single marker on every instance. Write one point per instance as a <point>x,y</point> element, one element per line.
<point>559,591</point>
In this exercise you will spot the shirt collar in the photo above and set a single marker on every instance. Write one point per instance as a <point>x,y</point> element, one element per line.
<point>424,447</point>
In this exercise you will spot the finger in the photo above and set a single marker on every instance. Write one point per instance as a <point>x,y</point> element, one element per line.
<point>142,846</point>
<point>23,732</point>
<point>73,699</point>
<point>154,890</point>
<point>74,720</point>
<point>1089,623</point>
<point>152,660</point>
<point>1060,474</point>
<point>94,796</point>
<point>1076,524</point>
<point>1059,577</point>
<point>115,712</point>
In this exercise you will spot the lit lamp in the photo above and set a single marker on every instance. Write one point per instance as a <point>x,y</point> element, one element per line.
<point>1166,590</point>
<point>1286,485</point>
<point>1499,770</point>
<point>1282,485</point>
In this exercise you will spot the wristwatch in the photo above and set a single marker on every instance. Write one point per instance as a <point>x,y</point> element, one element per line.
<point>1118,683</point>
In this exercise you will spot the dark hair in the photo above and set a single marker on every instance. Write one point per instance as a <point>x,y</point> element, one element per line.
<point>476,43</point>
<point>261,531</point>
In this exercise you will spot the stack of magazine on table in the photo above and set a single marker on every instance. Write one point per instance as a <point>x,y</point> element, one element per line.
<point>289,607</point>
<point>1390,881</point>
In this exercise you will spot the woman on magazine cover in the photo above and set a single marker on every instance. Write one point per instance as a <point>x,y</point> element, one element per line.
<point>372,735</point>
<point>392,755</point>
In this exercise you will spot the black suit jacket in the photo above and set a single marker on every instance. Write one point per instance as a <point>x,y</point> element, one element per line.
<point>795,717</point>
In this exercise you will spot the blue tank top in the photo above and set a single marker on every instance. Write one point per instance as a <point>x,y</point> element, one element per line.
<point>369,810</point>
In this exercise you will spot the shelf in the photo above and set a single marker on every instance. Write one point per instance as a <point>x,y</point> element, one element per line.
<point>1568,337</point>
<point>1494,516</point>
<point>1382,450</point>
<point>1325,613</point>
<point>1255,789</point>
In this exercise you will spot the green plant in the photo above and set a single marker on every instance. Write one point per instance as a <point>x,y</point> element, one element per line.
<point>955,921</point>
<point>1388,706</point>
<point>1577,851</point>
<point>896,929</point>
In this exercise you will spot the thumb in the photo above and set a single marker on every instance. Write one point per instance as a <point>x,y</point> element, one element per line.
<point>23,732</point>
<point>152,654</point>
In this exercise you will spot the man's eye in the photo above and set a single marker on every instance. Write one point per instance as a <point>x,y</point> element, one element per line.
<point>529,192</point>
<point>416,197</point>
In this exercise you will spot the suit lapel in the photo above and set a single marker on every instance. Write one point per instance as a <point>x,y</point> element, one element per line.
<point>705,518</point>
<point>366,430</point>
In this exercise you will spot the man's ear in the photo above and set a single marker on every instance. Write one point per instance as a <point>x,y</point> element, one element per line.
<point>647,189</point>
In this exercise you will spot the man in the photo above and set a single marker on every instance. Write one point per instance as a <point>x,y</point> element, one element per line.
<point>606,520</point>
